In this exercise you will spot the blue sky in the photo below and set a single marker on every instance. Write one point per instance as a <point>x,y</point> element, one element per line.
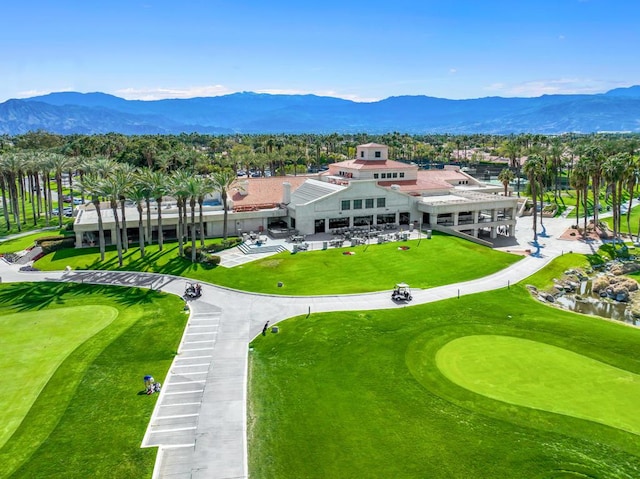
<point>360,50</point>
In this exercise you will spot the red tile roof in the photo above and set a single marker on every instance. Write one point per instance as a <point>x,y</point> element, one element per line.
<point>372,165</point>
<point>263,191</point>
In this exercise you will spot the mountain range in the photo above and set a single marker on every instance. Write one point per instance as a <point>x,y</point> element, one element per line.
<point>617,110</point>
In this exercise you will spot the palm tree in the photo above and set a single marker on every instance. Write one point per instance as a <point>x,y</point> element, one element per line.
<point>512,150</point>
<point>593,153</point>
<point>112,189</point>
<point>92,185</point>
<point>556,152</point>
<point>505,177</point>
<point>613,169</point>
<point>580,181</point>
<point>206,188</point>
<point>177,186</point>
<point>59,164</point>
<point>12,170</point>
<point>534,167</point>
<point>137,192</point>
<point>192,187</point>
<point>222,181</point>
<point>124,175</point>
<point>144,179</point>
<point>159,184</point>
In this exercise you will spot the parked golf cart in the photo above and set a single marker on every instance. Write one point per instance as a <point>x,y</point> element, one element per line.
<point>192,291</point>
<point>401,292</point>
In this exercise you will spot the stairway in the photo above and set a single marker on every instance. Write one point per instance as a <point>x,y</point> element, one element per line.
<point>252,249</point>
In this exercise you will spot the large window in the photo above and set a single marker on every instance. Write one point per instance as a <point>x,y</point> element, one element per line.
<point>363,220</point>
<point>338,223</point>
<point>368,203</point>
<point>382,202</point>
<point>386,218</point>
<point>357,204</point>
<point>345,205</point>
<point>378,154</point>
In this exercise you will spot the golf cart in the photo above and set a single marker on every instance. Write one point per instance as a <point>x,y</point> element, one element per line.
<point>192,291</point>
<point>401,292</point>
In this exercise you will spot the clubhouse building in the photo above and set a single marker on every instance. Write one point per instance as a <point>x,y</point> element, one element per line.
<point>369,190</point>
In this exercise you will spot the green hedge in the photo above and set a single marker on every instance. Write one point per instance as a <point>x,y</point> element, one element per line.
<point>55,243</point>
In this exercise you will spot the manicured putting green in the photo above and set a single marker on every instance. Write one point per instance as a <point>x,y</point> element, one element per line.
<point>537,375</point>
<point>33,345</point>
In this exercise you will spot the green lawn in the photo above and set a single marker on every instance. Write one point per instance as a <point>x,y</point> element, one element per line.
<point>440,260</point>
<point>360,394</point>
<point>537,375</point>
<point>20,244</point>
<point>73,361</point>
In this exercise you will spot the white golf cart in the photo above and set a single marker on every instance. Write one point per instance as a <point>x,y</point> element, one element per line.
<point>401,292</point>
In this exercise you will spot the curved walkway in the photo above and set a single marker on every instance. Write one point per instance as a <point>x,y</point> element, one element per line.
<point>199,423</point>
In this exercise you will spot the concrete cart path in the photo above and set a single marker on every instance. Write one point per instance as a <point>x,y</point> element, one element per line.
<point>199,422</point>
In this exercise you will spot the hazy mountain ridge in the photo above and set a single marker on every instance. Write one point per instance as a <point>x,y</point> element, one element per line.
<point>87,113</point>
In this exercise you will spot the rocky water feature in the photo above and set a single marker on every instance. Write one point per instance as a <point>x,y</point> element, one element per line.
<point>604,291</point>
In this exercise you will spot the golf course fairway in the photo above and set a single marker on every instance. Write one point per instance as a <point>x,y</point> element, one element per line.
<point>33,345</point>
<point>540,376</point>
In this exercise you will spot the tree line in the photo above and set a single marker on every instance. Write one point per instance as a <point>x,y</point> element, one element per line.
<point>116,168</point>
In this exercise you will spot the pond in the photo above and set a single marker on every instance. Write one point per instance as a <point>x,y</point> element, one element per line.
<point>587,303</point>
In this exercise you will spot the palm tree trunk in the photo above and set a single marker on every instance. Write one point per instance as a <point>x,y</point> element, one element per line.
<point>141,230</point>
<point>125,238</point>
<point>114,208</point>
<point>201,221</point>
<point>149,235</point>
<point>160,238</point>
<point>100,229</point>
<point>193,230</point>
<point>5,210</point>
<point>180,238</point>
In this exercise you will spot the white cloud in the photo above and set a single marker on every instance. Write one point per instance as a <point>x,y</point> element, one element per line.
<point>331,93</point>
<point>453,71</point>
<point>218,90</point>
<point>32,93</point>
<point>164,93</point>
<point>562,86</point>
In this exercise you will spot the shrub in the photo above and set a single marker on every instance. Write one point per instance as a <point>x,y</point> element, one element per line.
<point>211,260</point>
<point>55,243</point>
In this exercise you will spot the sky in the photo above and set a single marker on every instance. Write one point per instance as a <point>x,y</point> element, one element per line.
<point>362,50</point>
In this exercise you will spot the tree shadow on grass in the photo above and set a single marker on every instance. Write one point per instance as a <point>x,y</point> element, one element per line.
<point>36,296</point>
<point>33,296</point>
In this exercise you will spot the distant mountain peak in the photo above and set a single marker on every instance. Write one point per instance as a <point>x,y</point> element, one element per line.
<point>252,113</point>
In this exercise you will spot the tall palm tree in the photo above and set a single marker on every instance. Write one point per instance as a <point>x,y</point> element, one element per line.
<point>12,165</point>
<point>594,155</point>
<point>178,189</point>
<point>112,189</point>
<point>222,181</point>
<point>159,184</point>
<point>124,175</point>
<point>512,150</point>
<point>505,177</point>
<point>192,188</point>
<point>137,192</point>
<point>59,165</point>
<point>206,188</point>
<point>92,185</point>
<point>580,181</point>
<point>533,168</point>
<point>144,179</point>
<point>556,153</point>
<point>613,169</point>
